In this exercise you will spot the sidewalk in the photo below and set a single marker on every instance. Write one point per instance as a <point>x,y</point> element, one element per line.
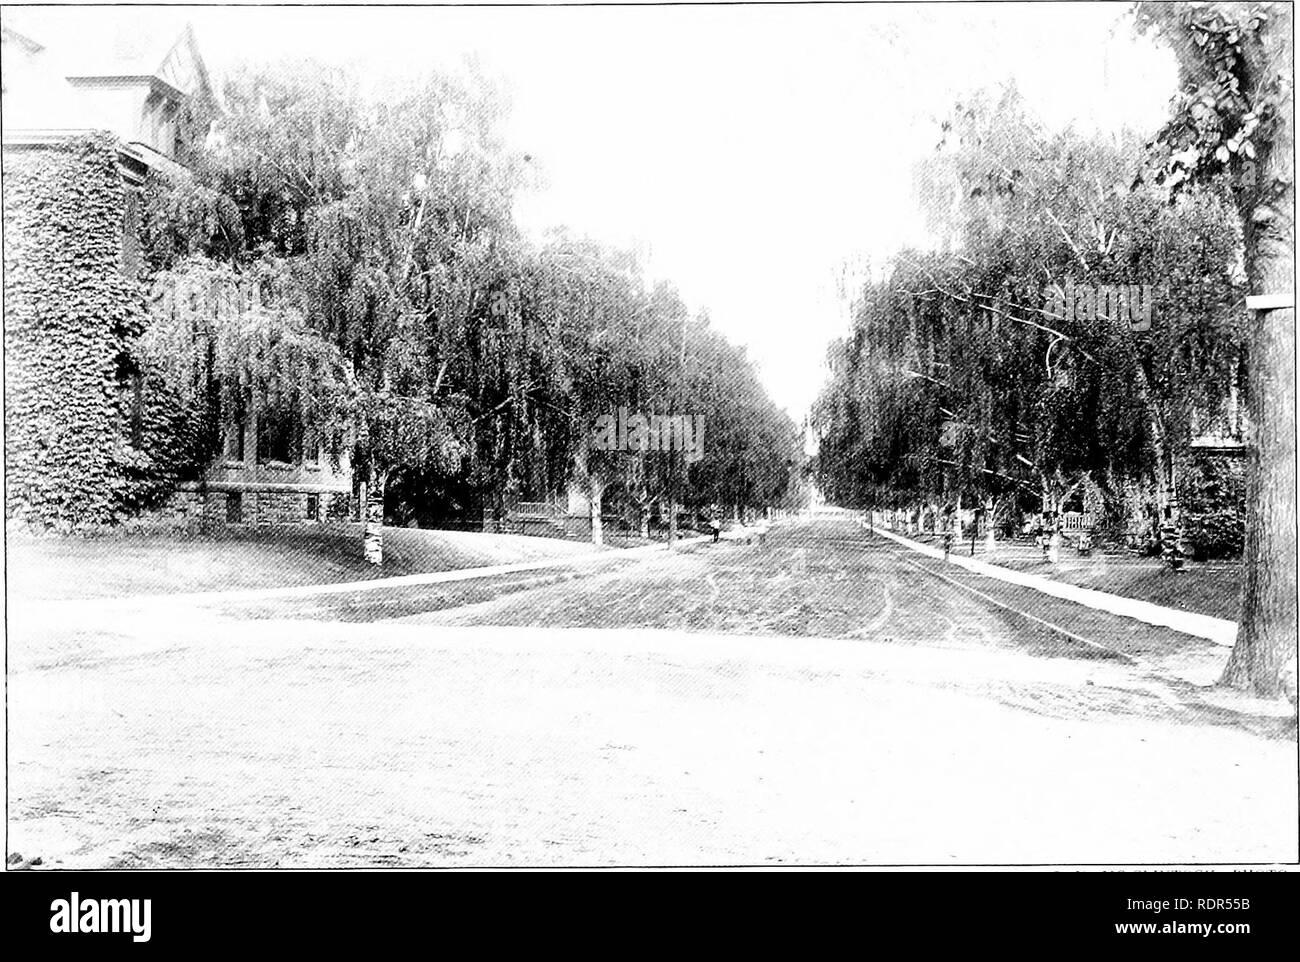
<point>371,584</point>
<point>1218,630</point>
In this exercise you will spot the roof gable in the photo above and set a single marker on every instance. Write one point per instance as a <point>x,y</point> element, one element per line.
<point>93,46</point>
<point>183,67</point>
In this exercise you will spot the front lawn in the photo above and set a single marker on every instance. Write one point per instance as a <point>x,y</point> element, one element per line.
<point>1206,588</point>
<point>120,565</point>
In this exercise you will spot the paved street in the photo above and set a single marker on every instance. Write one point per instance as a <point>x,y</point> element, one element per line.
<point>832,579</point>
<point>821,697</point>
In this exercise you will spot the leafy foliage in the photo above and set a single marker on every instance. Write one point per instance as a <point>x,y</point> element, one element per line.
<point>1215,494</point>
<point>223,354</point>
<point>961,379</point>
<point>1225,110</point>
<point>385,225</point>
<point>68,307</point>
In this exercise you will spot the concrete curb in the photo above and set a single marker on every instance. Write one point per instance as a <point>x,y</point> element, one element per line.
<point>1218,630</point>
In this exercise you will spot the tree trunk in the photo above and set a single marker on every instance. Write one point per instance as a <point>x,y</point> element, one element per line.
<point>1048,500</point>
<point>1051,509</point>
<point>1263,659</point>
<point>1170,513</point>
<point>372,501</point>
<point>672,494</point>
<point>597,495</point>
<point>1171,524</point>
<point>990,511</point>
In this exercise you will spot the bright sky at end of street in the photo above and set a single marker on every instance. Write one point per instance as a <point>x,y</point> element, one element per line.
<point>758,154</point>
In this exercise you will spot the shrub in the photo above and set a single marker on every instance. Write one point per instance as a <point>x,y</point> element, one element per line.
<point>1213,495</point>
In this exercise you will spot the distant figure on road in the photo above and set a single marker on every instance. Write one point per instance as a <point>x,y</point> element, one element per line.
<point>716,527</point>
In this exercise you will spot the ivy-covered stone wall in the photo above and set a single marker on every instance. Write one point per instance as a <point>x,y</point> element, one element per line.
<point>68,309</point>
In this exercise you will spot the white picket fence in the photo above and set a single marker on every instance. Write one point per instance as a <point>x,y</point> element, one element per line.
<point>1076,520</point>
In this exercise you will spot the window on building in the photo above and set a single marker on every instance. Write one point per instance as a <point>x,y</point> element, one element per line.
<point>311,448</point>
<point>235,440</point>
<point>313,507</point>
<point>137,409</point>
<point>234,508</point>
<point>168,127</point>
<point>130,260</point>
<point>130,393</point>
<point>336,450</point>
<point>278,438</point>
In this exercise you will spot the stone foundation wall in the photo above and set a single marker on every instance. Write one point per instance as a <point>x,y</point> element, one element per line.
<point>185,511</point>
<point>272,507</point>
<point>199,511</point>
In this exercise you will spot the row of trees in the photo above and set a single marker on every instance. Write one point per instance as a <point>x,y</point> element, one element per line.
<point>1065,344</point>
<point>964,377</point>
<point>405,308</point>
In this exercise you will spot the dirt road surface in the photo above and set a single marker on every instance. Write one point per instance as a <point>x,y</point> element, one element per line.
<point>676,712</point>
